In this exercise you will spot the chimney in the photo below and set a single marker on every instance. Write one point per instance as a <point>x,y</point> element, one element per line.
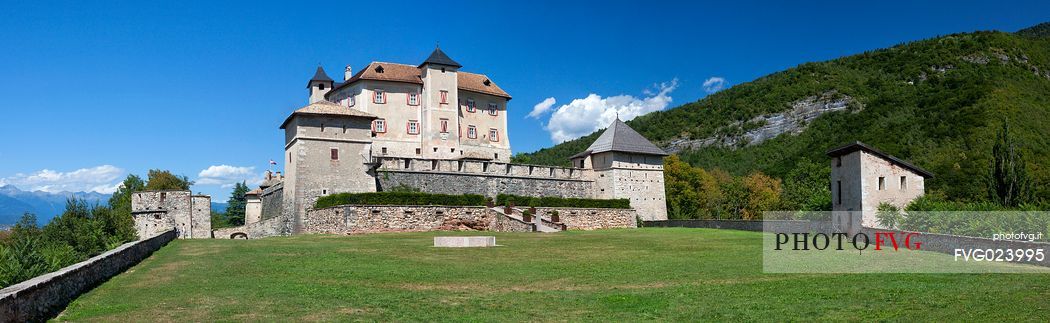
<point>348,73</point>
<point>269,175</point>
<point>279,175</point>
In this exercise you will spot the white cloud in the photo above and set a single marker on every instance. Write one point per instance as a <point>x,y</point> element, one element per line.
<point>103,179</point>
<point>226,176</point>
<point>541,108</point>
<point>583,116</point>
<point>714,84</point>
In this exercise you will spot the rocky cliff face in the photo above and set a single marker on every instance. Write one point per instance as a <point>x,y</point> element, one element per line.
<point>765,127</point>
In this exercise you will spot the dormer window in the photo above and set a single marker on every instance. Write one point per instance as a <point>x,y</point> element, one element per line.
<point>379,69</point>
<point>487,82</point>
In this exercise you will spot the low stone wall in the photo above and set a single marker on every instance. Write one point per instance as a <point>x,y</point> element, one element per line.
<point>279,226</point>
<point>946,243</point>
<point>746,225</point>
<point>44,296</point>
<point>592,218</point>
<point>349,219</point>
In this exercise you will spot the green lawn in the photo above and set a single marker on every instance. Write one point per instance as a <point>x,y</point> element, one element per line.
<point>613,275</point>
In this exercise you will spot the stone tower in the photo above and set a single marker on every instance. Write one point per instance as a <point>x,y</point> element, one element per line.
<point>626,165</point>
<point>319,85</point>
<point>327,151</point>
<point>156,212</point>
<point>440,104</point>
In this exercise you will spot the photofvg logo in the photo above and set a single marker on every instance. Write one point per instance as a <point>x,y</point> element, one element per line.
<point>852,242</point>
<point>841,241</point>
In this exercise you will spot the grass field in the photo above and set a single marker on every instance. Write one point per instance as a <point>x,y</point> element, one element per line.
<point>615,275</point>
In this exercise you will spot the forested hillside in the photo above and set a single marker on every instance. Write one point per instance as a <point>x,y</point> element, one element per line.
<point>935,102</point>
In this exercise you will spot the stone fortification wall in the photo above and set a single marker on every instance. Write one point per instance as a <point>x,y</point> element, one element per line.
<point>348,219</point>
<point>42,297</point>
<point>272,201</point>
<point>592,218</point>
<point>278,226</point>
<point>200,216</point>
<point>481,177</point>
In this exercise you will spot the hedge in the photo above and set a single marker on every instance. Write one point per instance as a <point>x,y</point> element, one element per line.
<point>550,201</point>
<point>399,198</point>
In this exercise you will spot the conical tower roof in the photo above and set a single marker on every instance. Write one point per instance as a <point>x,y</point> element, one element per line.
<point>438,57</point>
<point>620,137</point>
<point>321,76</point>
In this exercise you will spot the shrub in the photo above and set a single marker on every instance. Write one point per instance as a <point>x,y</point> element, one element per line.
<point>551,201</point>
<point>399,198</point>
<point>889,216</point>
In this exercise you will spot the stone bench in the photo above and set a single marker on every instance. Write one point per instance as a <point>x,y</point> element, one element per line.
<point>460,242</point>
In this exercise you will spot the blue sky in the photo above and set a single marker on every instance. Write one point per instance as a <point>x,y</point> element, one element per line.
<point>92,91</point>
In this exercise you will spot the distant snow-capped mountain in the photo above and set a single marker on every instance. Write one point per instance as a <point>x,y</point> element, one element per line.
<point>15,202</point>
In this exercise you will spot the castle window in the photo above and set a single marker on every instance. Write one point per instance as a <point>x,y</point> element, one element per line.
<point>320,86</point>
<point>882,183</point>
<point>413,127</point>
<point>838,193</point>
<point>413,98</point>
<point>384,150</point>
<point>492,109</point>
<point>444,97</point>
<point>419,151</point>
<point>497,157</point>
<point>335,153</point>
<point>493,134</point>
<point>379,125</point>
<point>904,182</point>
<point>379,97</point>
<point>838,161</point>
<point>444,125</point>
<point>472,132</point>
<point>471,106</point>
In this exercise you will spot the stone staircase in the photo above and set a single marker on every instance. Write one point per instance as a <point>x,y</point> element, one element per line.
<point>542,224</point>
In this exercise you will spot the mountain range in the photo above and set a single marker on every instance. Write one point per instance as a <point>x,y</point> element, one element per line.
<point>936,102</point>
<point>15,202</point>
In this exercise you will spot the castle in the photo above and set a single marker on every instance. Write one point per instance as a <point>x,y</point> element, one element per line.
<point>440,130</point>
<point>349,139</point>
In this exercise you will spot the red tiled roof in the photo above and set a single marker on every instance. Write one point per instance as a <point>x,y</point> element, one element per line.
<point>393,72</point>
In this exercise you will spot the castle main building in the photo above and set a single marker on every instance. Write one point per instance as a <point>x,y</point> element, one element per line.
<point>431,110</point>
